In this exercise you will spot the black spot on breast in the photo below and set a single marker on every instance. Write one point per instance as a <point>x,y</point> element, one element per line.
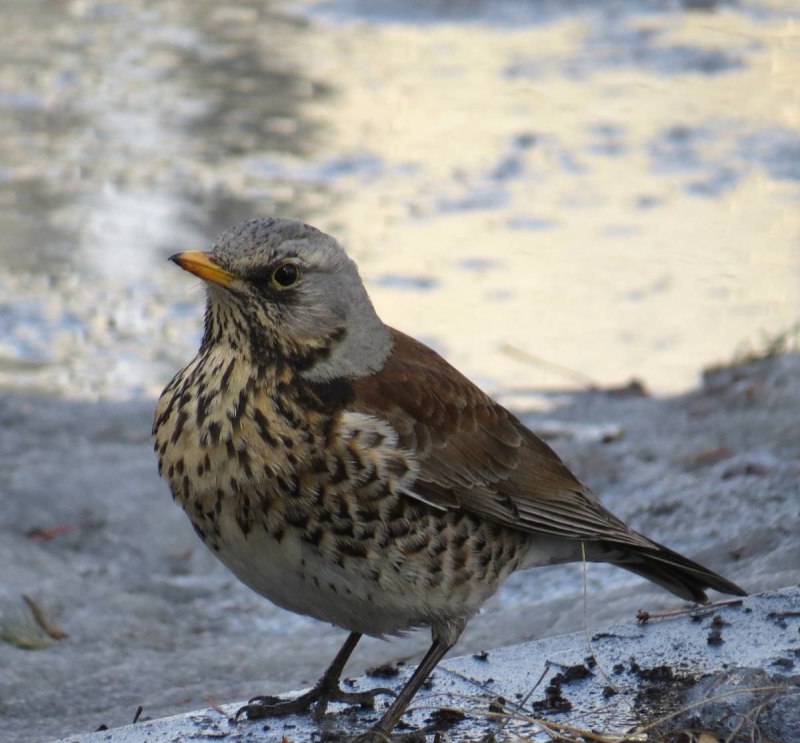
<point>226,377</point>
<point>414,544</point>
<point>353,548</point>
<point>318,465</point>
<point>179,423</point>
<point>368,515</point>
<point>297,518</point>
<point>263,428</point>
<point>459,560</point>
<point>265,502</point>
<point>397,510</point>
<point>165,416</point>
<point>314,536</point>
<point>287,412</point>
<point>343,529</point>
<point>327,430</point>
<point>243,518</point>
<point>340,473</point>
<point>438,546</point>
<point>244,462</point>
<point>214,431</point>
<point>399,528</point>
<point>235,416</point>
<point>201,411</point>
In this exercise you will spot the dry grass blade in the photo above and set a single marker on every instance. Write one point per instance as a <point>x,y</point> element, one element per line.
<point>20,636</point>
<point>529,358</point>
<point>50,628</point>
<point>25,631</point>
<point>700,612</point>
<point>217,708</point>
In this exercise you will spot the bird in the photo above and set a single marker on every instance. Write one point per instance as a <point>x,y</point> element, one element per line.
<point>347,472</point>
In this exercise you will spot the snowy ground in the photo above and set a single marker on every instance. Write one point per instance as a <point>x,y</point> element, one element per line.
<point>724,673</point>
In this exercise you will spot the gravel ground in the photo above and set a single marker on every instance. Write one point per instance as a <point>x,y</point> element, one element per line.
<point>91,535</point>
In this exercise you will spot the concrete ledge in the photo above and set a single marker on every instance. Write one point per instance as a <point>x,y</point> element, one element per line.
<point>734,666</point>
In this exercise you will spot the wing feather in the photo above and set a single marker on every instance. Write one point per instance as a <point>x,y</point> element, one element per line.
<point>475,455</point>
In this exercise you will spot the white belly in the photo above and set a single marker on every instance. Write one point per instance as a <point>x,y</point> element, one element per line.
<point>297,576</point>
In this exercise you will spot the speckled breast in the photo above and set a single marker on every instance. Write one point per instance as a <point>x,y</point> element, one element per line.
<point>310,505</point>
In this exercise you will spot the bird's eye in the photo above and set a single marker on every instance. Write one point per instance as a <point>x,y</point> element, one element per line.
<point>285,276</point>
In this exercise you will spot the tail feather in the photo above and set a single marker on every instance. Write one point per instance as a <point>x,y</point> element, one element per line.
<point>668,569</point>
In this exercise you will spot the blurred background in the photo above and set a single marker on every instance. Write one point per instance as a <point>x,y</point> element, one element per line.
<point>611,187</point>
<point>552,193</point>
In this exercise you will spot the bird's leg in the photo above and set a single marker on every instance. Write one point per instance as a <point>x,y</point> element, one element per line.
<point>380,732</point>
<point>326,690</point>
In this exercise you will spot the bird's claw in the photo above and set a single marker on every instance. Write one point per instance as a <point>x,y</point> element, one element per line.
<point>269,706</point>
<point>363,698</point>
<point>319,697</point>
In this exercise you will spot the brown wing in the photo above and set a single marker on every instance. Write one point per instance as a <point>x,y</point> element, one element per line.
<point>475,455</point>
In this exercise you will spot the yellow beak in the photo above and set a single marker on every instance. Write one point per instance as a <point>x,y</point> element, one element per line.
<point>202,264</point>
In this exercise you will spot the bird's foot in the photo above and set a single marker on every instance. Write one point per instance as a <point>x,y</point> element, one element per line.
<point>318,698</point>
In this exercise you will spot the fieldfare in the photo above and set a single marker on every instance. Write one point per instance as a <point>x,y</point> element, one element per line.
<point>346,471</point>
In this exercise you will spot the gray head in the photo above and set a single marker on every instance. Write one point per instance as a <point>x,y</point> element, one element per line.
<point>282,290</point>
